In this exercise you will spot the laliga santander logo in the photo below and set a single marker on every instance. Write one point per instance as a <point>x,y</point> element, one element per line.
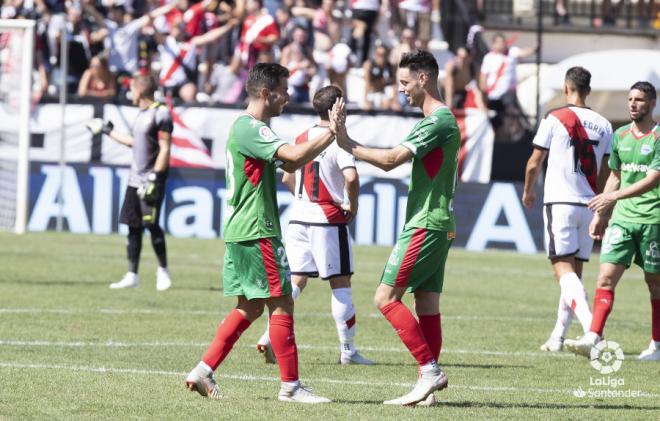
<point>606,357</point>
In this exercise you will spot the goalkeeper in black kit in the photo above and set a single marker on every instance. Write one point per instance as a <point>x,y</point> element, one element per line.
<point>150,141</point>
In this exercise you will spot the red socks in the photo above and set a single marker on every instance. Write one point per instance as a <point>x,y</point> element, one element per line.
<point>229,330</point>
<point>406,326</point>
<point>283,341</point>
<point>603,302</point>
<point>432,329</point>
<point>655,319</point>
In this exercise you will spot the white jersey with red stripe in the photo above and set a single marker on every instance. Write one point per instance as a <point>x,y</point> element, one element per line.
<point>576,139</point>
<point>500,71</point>
<point>319,188</point>
<point>365,4</point>
<point>175,57</point>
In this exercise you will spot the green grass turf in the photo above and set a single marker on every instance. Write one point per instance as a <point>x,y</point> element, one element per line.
<point>81,351</point>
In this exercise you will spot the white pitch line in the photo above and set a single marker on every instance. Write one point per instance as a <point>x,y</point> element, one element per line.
<point>11,365</point>
<point>372,315</point>
<point>157,344</point>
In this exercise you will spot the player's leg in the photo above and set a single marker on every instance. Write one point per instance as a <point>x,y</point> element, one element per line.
<point>652,353</point>
<point>200,379</point>
<point>281,324</point>
<point>301,263</point>
<point>130,215</point>
<point>648,258</point>
<point>150,217</point>
<point>608,278</point>
<point>298,283</point>
<point>412,262</point>
<point>343,311</point>
<point>332,252</point>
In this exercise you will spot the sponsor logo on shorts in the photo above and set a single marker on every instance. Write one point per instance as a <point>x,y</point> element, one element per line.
<point>260,283</point>
<point>451,235</point>
<point>653,253</point>
<point>269,224</point>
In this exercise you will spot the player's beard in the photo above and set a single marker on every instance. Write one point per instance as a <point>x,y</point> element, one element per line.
<point>641,115</point>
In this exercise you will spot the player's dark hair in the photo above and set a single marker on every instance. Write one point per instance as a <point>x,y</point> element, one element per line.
<point>647,88</point>
<point>579,79</point>
<point>147,84</point>
<point>420,61</point>
<point>265,75</point>
<point>324,99</point>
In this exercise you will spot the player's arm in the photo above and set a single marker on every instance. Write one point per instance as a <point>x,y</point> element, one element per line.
<point>163,158</point>
<point>385,159</point>
<point>296,156</point>
<point>214,34</point>
<point>606,200</point>
<point>98,126</point>
<point>532,171</point>
<point>289,180</point>
<point>601,218</point>
<point>603,175</point>
<point>352,186</point>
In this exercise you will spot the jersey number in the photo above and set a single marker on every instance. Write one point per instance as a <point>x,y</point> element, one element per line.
<point>584,159</point>
<point>310,170</point>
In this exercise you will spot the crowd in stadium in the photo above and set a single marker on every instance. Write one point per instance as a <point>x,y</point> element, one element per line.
<point>202,50</point>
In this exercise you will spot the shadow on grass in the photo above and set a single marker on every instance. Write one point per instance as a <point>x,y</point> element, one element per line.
<point>485,365</point>
<point>60,282</point>
<point>467,404</point>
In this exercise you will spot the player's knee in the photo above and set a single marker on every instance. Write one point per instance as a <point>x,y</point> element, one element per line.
<point>653,283</point>
<point>605,282</point>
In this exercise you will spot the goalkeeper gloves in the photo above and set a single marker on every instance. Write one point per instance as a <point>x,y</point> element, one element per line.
<point>96,126</point>
<point>148,191</point>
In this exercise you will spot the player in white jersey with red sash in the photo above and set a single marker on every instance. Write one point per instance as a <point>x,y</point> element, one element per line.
<point>318,243</point>
<point>577,141</point>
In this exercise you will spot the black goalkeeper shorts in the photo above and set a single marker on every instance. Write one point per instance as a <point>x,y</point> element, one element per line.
<point>136,212</point>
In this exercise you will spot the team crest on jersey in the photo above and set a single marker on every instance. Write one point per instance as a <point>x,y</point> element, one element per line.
<point>645,150</point>
<point>266,133</point>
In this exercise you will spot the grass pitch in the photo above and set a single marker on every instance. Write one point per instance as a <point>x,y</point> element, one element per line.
<point>70,348</point>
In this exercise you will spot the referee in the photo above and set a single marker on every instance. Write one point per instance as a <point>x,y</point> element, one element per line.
<point>150,141</point>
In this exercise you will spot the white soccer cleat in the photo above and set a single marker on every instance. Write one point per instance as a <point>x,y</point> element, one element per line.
<point>354,358</point>
<point>163,280</point>
<point>428,382</point>
<point>429,401</point>
<point>130,280</point>
<point>582,346</point>
<point>299,393</point>
<point>267,351</point>
<point>202,383</point>
<point>553,345</point>
<point>652,353</point>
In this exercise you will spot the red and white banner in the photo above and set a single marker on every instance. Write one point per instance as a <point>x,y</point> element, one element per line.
<point>475,158</point>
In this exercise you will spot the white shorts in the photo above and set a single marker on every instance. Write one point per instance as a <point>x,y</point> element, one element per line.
<point>315,250</point>
<point>567,231</point>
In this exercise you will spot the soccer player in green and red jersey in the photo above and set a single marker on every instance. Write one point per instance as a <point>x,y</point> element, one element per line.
<point>633,189</point>
<point>417,263</point>
<point>255,268</point>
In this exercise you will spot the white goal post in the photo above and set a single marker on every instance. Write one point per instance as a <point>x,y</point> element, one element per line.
<point>16,60</point>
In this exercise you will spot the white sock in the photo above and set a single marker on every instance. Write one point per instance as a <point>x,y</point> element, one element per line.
<point>430,366</point>
<point>204,368</point>
<point>343,311</point>
<point>564,317</point>
<point>295,291</point>
<point>573,291</point>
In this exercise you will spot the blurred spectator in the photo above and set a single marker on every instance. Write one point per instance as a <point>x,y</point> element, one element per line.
<point>178,58</point>
<point>405,45</point>
<point>364,16</point>
<point>77,33</point>
<point>298,58</point>
<point>260,33</point>
<point>416,14</point>
<point>460,87</point>
<point>498,81</point>
<point>326,22</point>
<point>98,81</point>
<point>121,35</point>
<point>338,65</point>
<point>560,13</point>
<point>380,90</point>
<point>287,21</point>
